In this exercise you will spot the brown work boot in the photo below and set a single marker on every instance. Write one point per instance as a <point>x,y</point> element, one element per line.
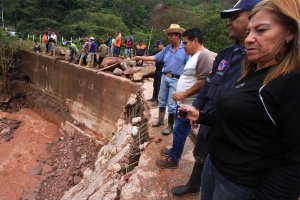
<point>167,164</point>
<point>165,152</point>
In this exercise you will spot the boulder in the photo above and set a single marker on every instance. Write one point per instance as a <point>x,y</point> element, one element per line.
<point>123,65</point>
<point>137,76</point>
<point>132,70</point>
<point>148,71</point>
<point>118,72</point>
<point>110,61</point>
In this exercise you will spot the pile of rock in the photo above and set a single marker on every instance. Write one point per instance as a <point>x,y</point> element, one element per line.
<point>126,68</point>
<point>7,128</point>
<point>113,166</point>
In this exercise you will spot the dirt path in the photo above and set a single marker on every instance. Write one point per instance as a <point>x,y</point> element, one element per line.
<point>157,183</point>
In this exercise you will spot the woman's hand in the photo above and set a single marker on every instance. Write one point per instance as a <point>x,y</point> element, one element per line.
<point>191,112</point>
<point>194,124</point>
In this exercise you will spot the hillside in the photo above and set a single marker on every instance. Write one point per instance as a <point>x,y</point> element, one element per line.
<point>79,18</point>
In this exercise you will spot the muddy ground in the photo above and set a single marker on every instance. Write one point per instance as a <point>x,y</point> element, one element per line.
<point>68,157</point>
<point>37,161</point>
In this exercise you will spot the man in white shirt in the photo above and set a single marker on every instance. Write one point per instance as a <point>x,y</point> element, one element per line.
<point>189,84</point>
<point>52,43</point>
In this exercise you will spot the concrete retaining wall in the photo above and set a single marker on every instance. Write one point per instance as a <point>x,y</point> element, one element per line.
<point>95,98</point>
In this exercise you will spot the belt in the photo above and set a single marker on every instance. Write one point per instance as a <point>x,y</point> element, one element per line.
<point>171,75</point>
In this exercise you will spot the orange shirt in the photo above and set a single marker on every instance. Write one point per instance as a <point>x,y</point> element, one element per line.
<point>138,46</point>
<point>140,50</point>
<point>118,41</point>
<point>44,39</point>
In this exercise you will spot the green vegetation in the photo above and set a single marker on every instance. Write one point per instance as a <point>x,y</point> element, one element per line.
<point>79,18</point>
<point>9,47</point>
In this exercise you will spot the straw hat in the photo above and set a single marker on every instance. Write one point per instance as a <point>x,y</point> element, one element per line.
<point>174,28</point>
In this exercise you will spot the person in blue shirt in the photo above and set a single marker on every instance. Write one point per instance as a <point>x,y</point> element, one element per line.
<point>226,70</point>
<point>174,58</point>
<point>91,54</point>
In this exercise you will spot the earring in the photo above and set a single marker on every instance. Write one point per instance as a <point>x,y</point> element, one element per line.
<point>287,41</point>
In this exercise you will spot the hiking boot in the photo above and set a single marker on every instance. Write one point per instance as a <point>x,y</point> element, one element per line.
<point>165,152</point>
<point>169,129</point>
<point>161,116</point>
<point>167,164</point>
<point>183,190</point>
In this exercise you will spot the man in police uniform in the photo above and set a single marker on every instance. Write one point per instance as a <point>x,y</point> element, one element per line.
<point>157,74</point>
<point>226,70</point>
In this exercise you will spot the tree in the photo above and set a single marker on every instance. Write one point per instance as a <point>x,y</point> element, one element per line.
<point>96,24</point>
<point>77,18</point>
<point>205,15</point>
<point>8,51</point>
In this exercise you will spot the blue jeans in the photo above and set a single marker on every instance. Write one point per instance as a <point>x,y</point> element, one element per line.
<point>167,87</point>
<point>216,187</point>
<point>127,52</point>
<point>83,55</point>
<point>116,51</point>
<point>180,132</point>
<point>110,51</point>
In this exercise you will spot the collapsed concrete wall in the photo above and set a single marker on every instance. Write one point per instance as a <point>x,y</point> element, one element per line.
<point>96,99</point>
<point>117,159</point>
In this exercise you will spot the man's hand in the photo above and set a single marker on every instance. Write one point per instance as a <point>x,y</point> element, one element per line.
<point>177,96</point>
<point>137,58</point>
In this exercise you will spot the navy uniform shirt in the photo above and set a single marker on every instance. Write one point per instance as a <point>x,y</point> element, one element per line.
<point>158,64</point>
<point>226,70</point>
